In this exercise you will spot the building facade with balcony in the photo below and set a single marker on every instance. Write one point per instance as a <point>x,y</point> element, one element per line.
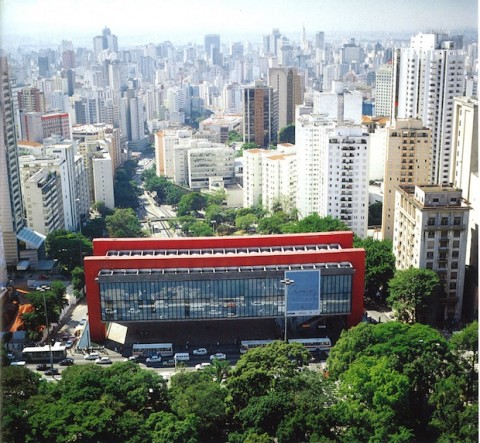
<point>430,232</point>
<point>224,278</point>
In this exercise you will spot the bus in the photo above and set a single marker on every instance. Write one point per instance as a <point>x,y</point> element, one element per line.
<point>246,345</point>
<point>42,354</point>
<point>314,344</point>
<point>149,349</point>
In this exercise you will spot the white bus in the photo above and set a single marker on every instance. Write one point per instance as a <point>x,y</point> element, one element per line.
<point>149,349</point>
<point>314,344</point>
<point>42,353</point>
<point>246,345</point>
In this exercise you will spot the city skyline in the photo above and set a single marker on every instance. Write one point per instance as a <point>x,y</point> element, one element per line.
<point>156,22</point>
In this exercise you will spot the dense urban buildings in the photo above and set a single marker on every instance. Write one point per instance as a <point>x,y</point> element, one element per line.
<point>334,123</point>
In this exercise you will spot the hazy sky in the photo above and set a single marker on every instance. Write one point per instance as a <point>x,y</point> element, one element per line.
<point>172,19</point>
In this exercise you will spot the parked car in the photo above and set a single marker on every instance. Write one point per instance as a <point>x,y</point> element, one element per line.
<point>53,371</point>
<point>11,356</point>
<point>92,356</point>
<point>69,344</point>
<point>200,351</point>
<point>103,361</point>
<point>218,356</point>
<point>67,362</point>
<point>42,367</point>
<point>169,362</point>
<point>133,358</point>
<point>153,359</point>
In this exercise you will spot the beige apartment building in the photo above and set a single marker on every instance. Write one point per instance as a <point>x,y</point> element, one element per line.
<point>407,161</point>
<point>430,232</point>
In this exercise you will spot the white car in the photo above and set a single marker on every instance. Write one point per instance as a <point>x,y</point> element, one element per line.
<point>92,356</point>
<point>201,366</point>
<point>218,356</point>
<point>153,359</point>
<point>200,351</point>
<point>103,361</point>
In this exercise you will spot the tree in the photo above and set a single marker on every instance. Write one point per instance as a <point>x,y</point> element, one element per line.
<point>464,345</point>
<point>95,228</point>
<point>69,248</point>
<point>287,134</point>
<point>411,290</point>
<point>78,279</point>
<point>124,223</point>
<point>379,264</point>
<point>418,352</point>
<point>246,222</point>
<point>100,207</point>
<point>200,229</point>
<point>315,223</point>
<point>167,427</point>
<point>18,386</point>
<point>273,224</point>
<point>376,401</point>
<point>191,203</point>
<point>260,369</point>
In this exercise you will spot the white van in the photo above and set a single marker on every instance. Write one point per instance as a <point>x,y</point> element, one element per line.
<point>181,356</point>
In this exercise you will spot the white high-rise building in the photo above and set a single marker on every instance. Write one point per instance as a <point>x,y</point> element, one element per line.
<point>383,90</point>
<point>43,202</point>
<point>464,171</point>
<point>209,161</point>
<point>279,178</point>
<point>311,140</point>
<point>103,178</point>
<point>252,177</point>
<point>345,194</point>
<point>332,161</point>
<point>430,232</point>
<point>339,105</point>
<point>427,77</point>
<point>11,202</point>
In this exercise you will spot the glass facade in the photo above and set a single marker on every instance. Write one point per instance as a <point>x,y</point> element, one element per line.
<point>205,295</point>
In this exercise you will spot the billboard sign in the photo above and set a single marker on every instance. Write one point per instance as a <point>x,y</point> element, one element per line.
<point>303,293</point>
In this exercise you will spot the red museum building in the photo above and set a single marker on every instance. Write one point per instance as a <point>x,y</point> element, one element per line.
<point>297,277</point>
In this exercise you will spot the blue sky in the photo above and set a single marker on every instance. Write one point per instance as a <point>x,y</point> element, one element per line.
<point>169,20</point>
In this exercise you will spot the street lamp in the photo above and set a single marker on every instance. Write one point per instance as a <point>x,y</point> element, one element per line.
<point>214,225</point>
<point>48,332</point>
<point>286,282</point>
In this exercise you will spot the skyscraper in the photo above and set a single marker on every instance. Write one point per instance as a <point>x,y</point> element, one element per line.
<point>289,86</point>
<point>11,203</point>
<point>260,114</point>
<point>427,77</point>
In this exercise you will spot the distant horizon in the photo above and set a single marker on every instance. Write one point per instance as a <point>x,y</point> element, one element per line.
<point>42,22</point>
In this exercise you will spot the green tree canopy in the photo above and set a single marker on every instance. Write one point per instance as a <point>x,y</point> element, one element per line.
<point>124,223</point>
<point>315,223</point>
<point>379,264</point>
<point>259,369</point>
<point>246,222</point>
<point>69,248</point>
<point>411,292</point>
<point>191,204</point>
<point>287,134</point>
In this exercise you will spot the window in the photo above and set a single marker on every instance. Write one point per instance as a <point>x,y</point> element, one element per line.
<point>456,244</point>
<point>431,234</point>
<point>431,221</point>
<point>454,264</point>
<point>454,254</point>
<point>430,255</point>
<point>444,221</point>
<point>457,221</point>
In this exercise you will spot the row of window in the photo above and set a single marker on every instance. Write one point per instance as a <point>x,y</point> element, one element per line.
<point>206,299</point>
